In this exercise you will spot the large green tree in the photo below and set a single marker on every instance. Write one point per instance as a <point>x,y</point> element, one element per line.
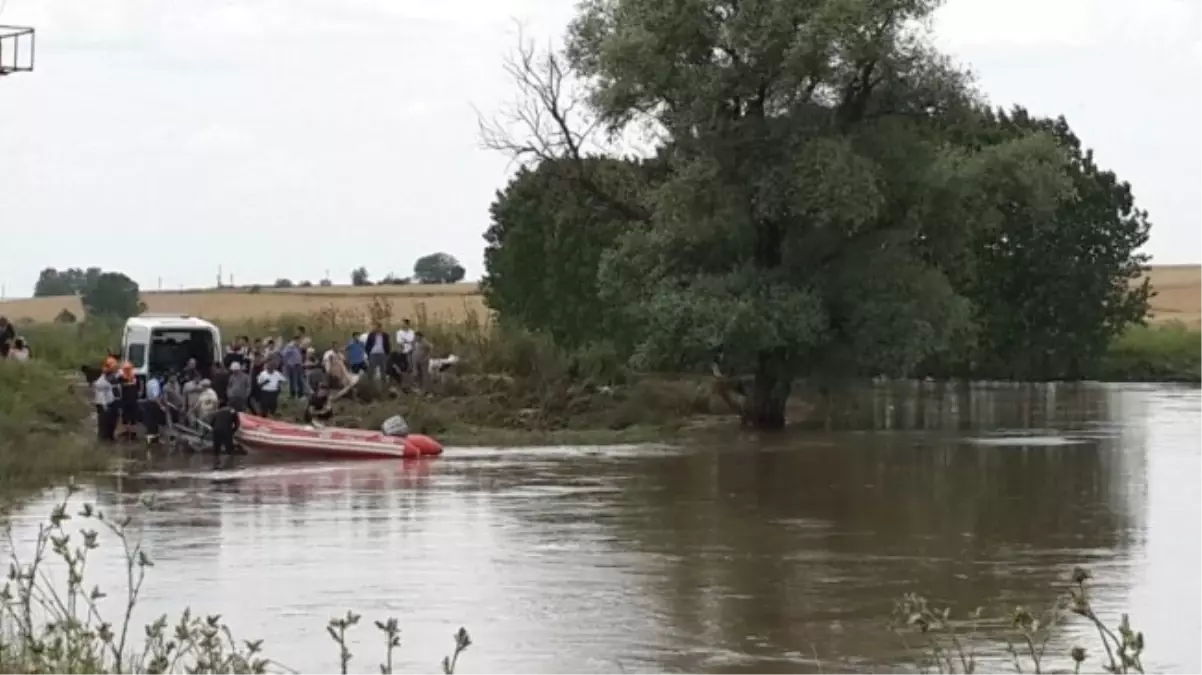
<point>438,268</point>
<point>545,243</point>
<point>790,233</point>
<point>1051,290</point>
<point>834,196</point>
<point>112,296</point>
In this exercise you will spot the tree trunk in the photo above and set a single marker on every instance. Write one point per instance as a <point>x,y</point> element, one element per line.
<point>764,407</point>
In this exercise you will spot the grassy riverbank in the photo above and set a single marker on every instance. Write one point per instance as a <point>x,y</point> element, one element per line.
<point>43,437</point>
<point>511,387</point>
<point>1169,352</point>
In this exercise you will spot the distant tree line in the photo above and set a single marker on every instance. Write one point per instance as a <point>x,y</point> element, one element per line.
<point>829,197</point>
<point>115,295</point>
<point>435,268</point>
<point>106,295</point>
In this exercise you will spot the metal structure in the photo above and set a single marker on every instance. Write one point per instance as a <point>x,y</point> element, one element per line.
<point>16,49</point>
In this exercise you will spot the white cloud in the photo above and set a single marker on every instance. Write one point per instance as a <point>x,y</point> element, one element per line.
<point>1066,23</point>
<point>1018,23</point>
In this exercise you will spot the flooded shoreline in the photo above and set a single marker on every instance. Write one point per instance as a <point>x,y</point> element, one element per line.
<point>737,555</point>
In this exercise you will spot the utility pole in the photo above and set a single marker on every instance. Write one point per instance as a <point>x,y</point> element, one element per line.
<point>219,276</point>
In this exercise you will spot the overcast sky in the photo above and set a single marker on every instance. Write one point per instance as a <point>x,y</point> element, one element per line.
<point>284,138</point>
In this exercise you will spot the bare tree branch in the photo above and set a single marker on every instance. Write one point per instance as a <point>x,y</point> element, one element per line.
<point>549,119</point>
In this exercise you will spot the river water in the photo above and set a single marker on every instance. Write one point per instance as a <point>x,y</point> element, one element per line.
<point>737,555</point>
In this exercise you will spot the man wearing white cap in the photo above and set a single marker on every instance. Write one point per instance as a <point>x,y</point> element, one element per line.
<point>238,390</point>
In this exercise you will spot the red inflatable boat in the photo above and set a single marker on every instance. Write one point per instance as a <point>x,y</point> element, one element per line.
<point>266,435</point>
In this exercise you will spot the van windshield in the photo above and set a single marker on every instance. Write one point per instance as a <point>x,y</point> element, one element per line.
<point>170,349</point>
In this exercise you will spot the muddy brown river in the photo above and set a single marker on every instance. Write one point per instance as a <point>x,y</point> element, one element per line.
<point>739,555</point>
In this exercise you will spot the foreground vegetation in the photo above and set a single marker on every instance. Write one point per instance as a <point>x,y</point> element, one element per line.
<point>54,621</point>
<point>50,625</point>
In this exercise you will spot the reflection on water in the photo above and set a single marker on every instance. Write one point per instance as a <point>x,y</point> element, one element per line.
<point>741,555</point>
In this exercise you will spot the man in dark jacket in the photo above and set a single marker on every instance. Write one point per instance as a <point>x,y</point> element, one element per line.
<point>378,344</point>
<point>225,425</point>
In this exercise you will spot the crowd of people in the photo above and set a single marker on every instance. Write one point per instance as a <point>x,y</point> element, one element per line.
<point>251,377</point>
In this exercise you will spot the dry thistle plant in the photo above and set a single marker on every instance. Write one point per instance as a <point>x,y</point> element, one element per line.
<point>946,644</point>
<point>49,627</point>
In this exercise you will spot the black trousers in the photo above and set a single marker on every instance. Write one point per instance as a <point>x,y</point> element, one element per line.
<point>269,402</point>
<point>223,441</point>
<point>112,417</point>
<point>104,431</point>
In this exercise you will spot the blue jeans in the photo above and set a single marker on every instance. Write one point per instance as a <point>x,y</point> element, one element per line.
<point>296,380</point>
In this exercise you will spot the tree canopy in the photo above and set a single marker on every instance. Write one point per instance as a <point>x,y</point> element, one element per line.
<point>112,296</point>
<point>829,197</point>
<point>438,268</point>
<point>71,281</point>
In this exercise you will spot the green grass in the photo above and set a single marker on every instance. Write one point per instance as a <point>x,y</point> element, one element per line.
<point>1164,353</point>
<point>43,429</point>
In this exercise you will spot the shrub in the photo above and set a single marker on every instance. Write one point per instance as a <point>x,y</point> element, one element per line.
<point>41,416</point>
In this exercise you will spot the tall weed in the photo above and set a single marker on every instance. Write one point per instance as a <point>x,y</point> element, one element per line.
<point>49,627</point>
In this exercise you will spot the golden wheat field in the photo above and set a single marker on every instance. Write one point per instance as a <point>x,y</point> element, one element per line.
<point>1178,288</point>
<point>439,303</point>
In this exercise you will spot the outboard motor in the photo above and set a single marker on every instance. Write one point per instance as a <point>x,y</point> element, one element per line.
<point>395,426</point>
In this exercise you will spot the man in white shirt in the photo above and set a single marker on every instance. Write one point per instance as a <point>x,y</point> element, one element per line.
<point>271,381</point>
<point>102,399</point>
<point>405,337</point>
<point>152,408</point>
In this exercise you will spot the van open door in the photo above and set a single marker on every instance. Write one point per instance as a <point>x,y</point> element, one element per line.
<point>135,348</point>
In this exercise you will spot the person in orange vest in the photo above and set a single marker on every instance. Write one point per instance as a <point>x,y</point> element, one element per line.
<point>129,401</point>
